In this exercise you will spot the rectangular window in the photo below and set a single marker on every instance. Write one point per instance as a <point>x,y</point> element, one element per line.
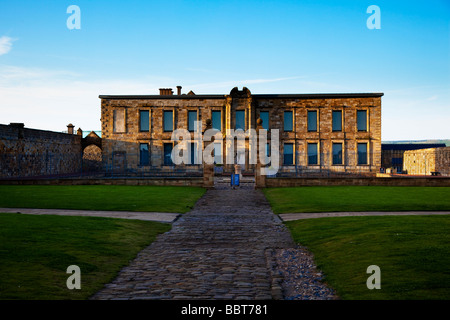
<point>218,153</point>
<point>192,117</point>
<point>216,120</point>
<point>119,120</point>
<point>288,121</point>
<point>264,115</point>
<point>144,155</point>
<point>268,154</point>
<point>193,153</point>
<point>144,120</point>
<point>312,121</point>
<point>361,116</point>
<point>168,121</point>
<point>362,153</point>
<point>168,154</point>
<point>337,120</point>
<point>337,153</point>
<point>288,154</point>
<point>240,120</point>
<point>313,158</point>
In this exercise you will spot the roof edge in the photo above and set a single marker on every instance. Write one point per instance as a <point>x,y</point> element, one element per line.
<point>267,96</point>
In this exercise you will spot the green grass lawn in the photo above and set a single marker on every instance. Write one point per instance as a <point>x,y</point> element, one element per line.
<point>109,198</point>
<point>413,253</point>
<point>35,252</point>
<point>358,198</point>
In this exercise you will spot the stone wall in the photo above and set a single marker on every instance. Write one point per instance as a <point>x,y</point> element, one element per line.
<point>191,182</point>
<point>427,161</point>
<point>366,181</point>
<point>28,152</point>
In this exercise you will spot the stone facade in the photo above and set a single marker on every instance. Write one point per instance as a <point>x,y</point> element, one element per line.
<point>427,161</point>
<point>28,152</point>
<point>124,141</point>
<point>392,154</point>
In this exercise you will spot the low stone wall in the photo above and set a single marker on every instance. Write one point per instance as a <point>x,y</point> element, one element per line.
<point>191,182</point>
<point>366,181</point>
<point>28,152</point>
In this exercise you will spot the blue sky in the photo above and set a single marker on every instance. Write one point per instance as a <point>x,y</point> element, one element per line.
<point>51,76</point>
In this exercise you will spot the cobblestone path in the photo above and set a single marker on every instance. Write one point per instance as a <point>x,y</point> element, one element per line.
<point>222,249</point>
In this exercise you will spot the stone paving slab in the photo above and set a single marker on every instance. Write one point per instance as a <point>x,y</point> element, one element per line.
<point>299,216</point>
<point>149,216</point>
<point>216,251</point>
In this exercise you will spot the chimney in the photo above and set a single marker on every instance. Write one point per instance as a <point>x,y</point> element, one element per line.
<point>165,92</point>
<point>17,125</point>
<point>70,128</point>
<point>80,132</point>
<point>179,90</point>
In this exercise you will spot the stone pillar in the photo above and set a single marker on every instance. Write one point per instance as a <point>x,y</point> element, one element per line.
<point>260,180</point>
<point>208,169</point>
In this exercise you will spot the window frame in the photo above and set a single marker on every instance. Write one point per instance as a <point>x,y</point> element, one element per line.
<point>188,119</point>
<point>284,154</point>
<point>236,118</point>
<point>308,112</point>
<point>141,164</point>
<point>358,154</point>
<point>268,119</point>
<point>366,120</point>
<point>284,120</point>
<point>220,120</point>
<point>140,120</point>
<point>115,112</point>
<point>193,156</point>
<point>317,153</point>
<point>220,148</point>
<point>341,124</point>
<point>164,154</point>
<point>172,119</point>
<point>332,153</point>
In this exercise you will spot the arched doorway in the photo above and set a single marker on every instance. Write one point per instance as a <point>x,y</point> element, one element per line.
<point>92,158</point>
<point>92,153</point>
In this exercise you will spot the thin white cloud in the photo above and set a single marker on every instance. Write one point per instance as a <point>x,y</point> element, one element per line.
<point>11,74</point>
<point>5,45</point>
<point>49,99</point>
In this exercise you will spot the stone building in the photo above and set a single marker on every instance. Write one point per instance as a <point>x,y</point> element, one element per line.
<point>320,133</point>
<point>392,154</point>
<point>431,161</point>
